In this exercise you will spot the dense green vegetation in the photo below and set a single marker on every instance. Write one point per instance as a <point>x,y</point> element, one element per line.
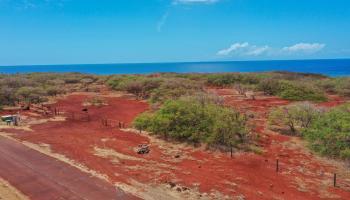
<point>196,119</point>
<point>292,90</point>
<point>329,133</point>
<point>290,86</point>
<point>36,87</point>
<point>157,89</point>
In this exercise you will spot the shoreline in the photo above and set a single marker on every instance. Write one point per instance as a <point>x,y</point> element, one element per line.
<point>328,67</point>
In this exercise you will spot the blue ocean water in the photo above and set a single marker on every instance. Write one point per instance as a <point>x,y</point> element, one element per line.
<point>331,67</point>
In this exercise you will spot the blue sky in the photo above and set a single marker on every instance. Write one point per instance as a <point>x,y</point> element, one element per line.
<point>119,31</point>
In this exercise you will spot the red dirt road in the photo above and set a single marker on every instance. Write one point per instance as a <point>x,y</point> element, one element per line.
<point>41,177</point>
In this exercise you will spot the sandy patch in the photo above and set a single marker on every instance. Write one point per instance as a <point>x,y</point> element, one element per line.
<point>114,156</point>
<point>8,192</point>
<point>169,191</point>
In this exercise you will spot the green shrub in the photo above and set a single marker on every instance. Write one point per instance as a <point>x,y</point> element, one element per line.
<point>35,87</point>
<point>143,121</point>
<point>223,79</point>
<point>192,121</point>
<point>140,86</point>
<point>31,94</point>
<point>174,88</point>
<point>230,129</point>
<point>342,86</point>
<point>295,117</point>
<point>54,90</point>
<point>300,92</point>
<point>328,85</point>
<point>269,86</point>
<point>345,154</point>
<point>329,134</point>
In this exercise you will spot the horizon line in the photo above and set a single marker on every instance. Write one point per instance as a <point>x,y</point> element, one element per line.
<point>173,62</point>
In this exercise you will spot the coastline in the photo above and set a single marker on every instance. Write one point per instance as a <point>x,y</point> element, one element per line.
<point>328,67</point>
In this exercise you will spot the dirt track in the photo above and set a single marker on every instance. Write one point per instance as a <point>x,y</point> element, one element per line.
<point>41,177</point>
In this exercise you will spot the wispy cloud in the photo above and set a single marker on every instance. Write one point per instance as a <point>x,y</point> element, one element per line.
<point>162,21</point>
<point>233,48</point>
<point>257,51</point>
<point>246,49</point>
<point>304,48</point>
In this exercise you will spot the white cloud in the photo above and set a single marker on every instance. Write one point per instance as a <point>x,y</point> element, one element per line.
<point>234,47</point>
<point>194,1</point>
<point>256,51</point>
<point>304,48</point>
<point>244,49</point>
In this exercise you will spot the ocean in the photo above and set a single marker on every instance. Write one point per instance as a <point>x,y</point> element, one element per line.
<point>329,67</point>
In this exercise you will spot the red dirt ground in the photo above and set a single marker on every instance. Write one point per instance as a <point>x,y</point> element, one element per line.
<point>334,100</point>
<point>301,175</point>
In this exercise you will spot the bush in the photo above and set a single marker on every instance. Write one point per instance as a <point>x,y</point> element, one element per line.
<point>229,79</point>
<point>291,90</point>
<point>192,121</point>
<point>269,86</point>
<point>342,86</point>
<point>221,80</point>
<point>7,96</point>
<point>140,86</point>
<point>143,121</point>
<point>329,134</point>
<point>31,94</point>
<point>300,92</point>
<point>54,90</point>
<point>174,88</point>
<point>328,85</point>
<point>230,129</point>
<point>295,117</point>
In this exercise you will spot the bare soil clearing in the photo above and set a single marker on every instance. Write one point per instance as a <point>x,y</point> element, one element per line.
<point>178,171</point>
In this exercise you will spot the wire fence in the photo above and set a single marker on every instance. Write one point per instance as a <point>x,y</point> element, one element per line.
<point>110,123</point>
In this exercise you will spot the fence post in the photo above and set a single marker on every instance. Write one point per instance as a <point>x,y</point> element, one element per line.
<point>277,165</point>
<point>335,180</point>
<point>231,152</point>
